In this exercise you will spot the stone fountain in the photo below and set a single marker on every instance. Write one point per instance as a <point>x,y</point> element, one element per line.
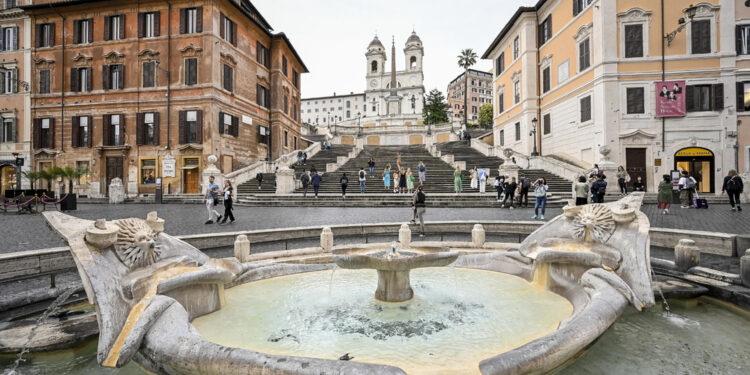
<point>394,266</point>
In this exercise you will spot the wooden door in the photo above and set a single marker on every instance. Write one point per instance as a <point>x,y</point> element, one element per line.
<point>114,169</point>
<point>635,164</point>
<point>192,183</point>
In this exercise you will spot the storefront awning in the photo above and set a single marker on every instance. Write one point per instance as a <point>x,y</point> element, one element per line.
<point>190,167</point>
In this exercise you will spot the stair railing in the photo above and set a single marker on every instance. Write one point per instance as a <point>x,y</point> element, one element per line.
<point>248,173</point>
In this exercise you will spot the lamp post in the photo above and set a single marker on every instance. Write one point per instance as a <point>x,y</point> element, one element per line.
<point>429,132</point>
<point>690,13</point>
<point>532,133</point>
<point>359,124</point>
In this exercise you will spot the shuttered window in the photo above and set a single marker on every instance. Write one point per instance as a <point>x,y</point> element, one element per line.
<point>147,128</point>
<point>700,36</point>
<point>704,97</point>
<point>500,64</point>
<point>635,100</point>
<point>44,86</point>
<point>191,72</point>
<point>547,123</point>
<point>149,68</point>
<point>83,31</point>
<point>9,130</point>
<point>742,39</point>
<point>500,103</point>
<point>228,29</point>
<point>113,77</point>
<point>114,27</point>
<point>518,131</point>
<point>263,97</point>
<point>228,78</point>
<point>502,137</point>
<point>546,79</point>
<point>545,31</point>
<point>45,35</point>
<point>191,20</point>
<point>585,109</point>
<point>633,40</point>
<point>9,38</point>
<point>295,78</point>
<point>191,126</point>
<point>284,66</point>
<point>584,55</point>
<point>81,131</point>
<point>263,55</point>
<point>148,24</point>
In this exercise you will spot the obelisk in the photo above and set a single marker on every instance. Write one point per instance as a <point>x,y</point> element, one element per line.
<point>394,102</point>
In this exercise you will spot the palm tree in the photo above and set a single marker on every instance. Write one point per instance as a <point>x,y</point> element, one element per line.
<point>33,177</point>
<point>48,176</point>
<point>72,174</point>
<point>466,59</point>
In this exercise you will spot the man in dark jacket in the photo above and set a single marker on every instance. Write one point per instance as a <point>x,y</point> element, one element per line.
<point>316,179</point>
<point>734,187</point>
<point>524,184</point>
<point>510,191</point>
<point>305,179</point>
<point>599,189</point>
<point>419,205</point>
<point>371,165</point>
<point>259,178</point>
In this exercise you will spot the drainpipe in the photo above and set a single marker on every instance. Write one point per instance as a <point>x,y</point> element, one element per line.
<point>62,91</point>
<point>270,106</point>
<point>169,68</point>
<point>540,121</point>
<point>663,75</point>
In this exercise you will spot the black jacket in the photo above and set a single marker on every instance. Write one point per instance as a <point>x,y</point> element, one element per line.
<point>737,185</point>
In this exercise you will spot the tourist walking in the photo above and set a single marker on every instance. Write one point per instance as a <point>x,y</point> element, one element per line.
<point>259,178</point>
<point>664,195</point>
<point>211,198</point>
<point>402,181</point>
<point>371,165</point>
<point>457,179</point>
<point>228,192</point>
<point>468,138</point>
<point>483,174</point>
<point>362,180</point>
<point>474,178</point>
<point>594,172</point>
<point>304,157</point>
<point>396,180</point>
<point>524,184</point>
<point>686,185</point>
<point>299,157</point>
<point>733,186</point>
<point>398,161</point>
<point>581,189</point>
<point>510,191</point>
<point>275,178</point>
<point>638,185</point>
<point>316,179</point>
<point>344,181</point>
<point>305,179</point>
<point>499,187</point>
<point>540,192</point>
<point>409,181</point>
<point>387,177</point>
<point>422,169</point>
<point>420,208</point>
<point>622,180</point>
<point>598,189</point>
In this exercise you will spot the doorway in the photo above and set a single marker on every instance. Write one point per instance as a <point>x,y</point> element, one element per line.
<point>7,178</point>
<point>114,170</point>
<point>635,164</point>
<point>699,162</point>
<point>191,176</point>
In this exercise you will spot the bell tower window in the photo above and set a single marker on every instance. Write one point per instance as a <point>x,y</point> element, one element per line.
<point>374,67</point>
<point>413,62</point>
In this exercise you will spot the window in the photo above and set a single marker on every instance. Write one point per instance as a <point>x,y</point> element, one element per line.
<point>148,171</point>
<point>191,126</point>
<point>584,55</point>
<point>295,142</point>
<point>547,123</point>
<point>502,137</point>
<point>263,55</point>
<point>83,31</point>
<point>286,138</point>
<point>44,133</point>
<point>263,134</point>
<point>114,130</point>
<point>742,39</point>
<point>10,4</point>
<point>516,47</point>
<point>147,128</point>
<point>81,131</point>
<point>500,103</point>
<point>80,79</point>
<point>228,30</point>
<point>518,131</point>
<point>700,36</point>
<point>149,68</point>
<point>635,100</point>
<point>44,87</point>
<point>191,72</point>
<point>191,20</point>
<point>264,97</point>
<point>8,130</point>
<point>228,124</point>
<point>516,92</point>
<point>295,115</point>
<point>474,109</point>
<point>545,31</point>
<point>634,40</point>
<point>9,38</point>
<point>284,66</point>
<point>295,78</point>
<point>743,96</point>
<point>45,35</point>
<point>9,81</point>
<point>545,79</point>
<point>148,24</point>
<point>228,78</point>
<point>704,97</point>
<point>374,67</point>
<point>580,5</point>
<point>585,109</point>
<point>85,178</point>
<point>114,27</point>
<point>286,104</point>
<point>348,114</point>
<point>113,76</point>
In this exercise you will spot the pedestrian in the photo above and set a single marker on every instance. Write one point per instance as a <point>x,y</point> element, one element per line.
<point>540,192</point>
<point>594,172</point>
<point>211,198</point>
<point>362,180</point>
<point>316,179</point>
<point>305,179</point>
<point>483,180</point>
<point>275,177</point>
<point>299,157</point>
<point>402,181</point>
<point>499,187</point>
<point>344,181</point>
<point>686,185</point>
<point>664,195</point>
<point>420,208</point>
<point>502,186</point>
<point>371,165</point>
<point>396,180</point>
<point>474,176</point>
<point>422,169</point>
<point>398,161</point>
<point>622,180</point>
<point>409,181</point>
<point>387,177</point>
<point>259,178</point>
<point>638,185</point>
<point>468,139</point>
<point>313,170</point>
<point>733,186</point>
<point>598,189</point>
<point>510,191</point>
<point>524,184</point>
<point>581,189</point>
<point>304,157</point>
<point>457,179</point>
<point>228,192</point>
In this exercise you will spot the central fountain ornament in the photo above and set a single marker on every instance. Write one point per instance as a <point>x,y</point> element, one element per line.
<point>394,266</point>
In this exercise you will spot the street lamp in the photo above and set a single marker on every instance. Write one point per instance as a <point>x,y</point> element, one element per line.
<point>328,120</point>
<point>428,122</point>
<point>532,133</point>
<point>690,13</point>
<point>413,107</point>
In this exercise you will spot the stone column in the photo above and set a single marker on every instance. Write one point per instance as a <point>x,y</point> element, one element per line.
<point>326,239</point>
<point>284,180</point>
<point>686,255</point>
<point>242,248</point>
<point>608,167</point>
<point>745,268</point>
<point>404,235</point>
<point>478,236</point>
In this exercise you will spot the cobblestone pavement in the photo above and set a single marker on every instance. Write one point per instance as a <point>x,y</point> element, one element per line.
<point>27,232</point>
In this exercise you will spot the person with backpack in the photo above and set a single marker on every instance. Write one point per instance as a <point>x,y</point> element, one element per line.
<point>664,195</point>
<point>316,179</point>
<point>419,208</point>
<point>259,178</point>
<point>524,184</point>
<point>540,192</point>
<point>344,181</point>
<point>305,179</point>
<point>362,180</point>
<point>422,169</point>
<point>510,191</point>
<point>734,187</point>
<point>371,165</point>
<point>687,185</point>
<point>581,189</point>
<point>599,189</point>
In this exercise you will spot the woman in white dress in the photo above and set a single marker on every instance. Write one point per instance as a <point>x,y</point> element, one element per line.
<point>474,178</point>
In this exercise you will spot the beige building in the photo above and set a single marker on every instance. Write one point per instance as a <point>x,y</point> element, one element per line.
<point>742,36</point>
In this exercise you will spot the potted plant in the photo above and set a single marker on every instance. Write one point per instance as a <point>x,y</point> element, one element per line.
<point>33,177</point>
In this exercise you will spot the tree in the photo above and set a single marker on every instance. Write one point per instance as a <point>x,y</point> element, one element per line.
<point>466,59</point>
<point>435,108</point>
<point>485,115</point>
<point>33,177</point>
<point>73,174</point>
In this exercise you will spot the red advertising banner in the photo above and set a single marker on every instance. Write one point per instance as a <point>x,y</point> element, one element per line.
<point>670,99</point>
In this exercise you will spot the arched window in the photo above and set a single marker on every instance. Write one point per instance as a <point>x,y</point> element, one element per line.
<point>413,62</point>
<point>374,66</point>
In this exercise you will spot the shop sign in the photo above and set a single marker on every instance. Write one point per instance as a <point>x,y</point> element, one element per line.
<point>168,166</point>
<point>693,152</point>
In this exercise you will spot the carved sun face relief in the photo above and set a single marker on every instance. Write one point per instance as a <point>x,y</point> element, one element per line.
<point>136,246</point>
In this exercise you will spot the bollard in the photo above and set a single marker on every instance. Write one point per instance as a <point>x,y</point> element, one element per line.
<point>686,255</point>
<point>326,239</point>
<point>745,268</point>
<point>404,235</point>
<point>478,235</point>
<point>242,248</point>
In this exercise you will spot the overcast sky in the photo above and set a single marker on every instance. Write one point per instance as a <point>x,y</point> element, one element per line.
<point>332,36</point>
